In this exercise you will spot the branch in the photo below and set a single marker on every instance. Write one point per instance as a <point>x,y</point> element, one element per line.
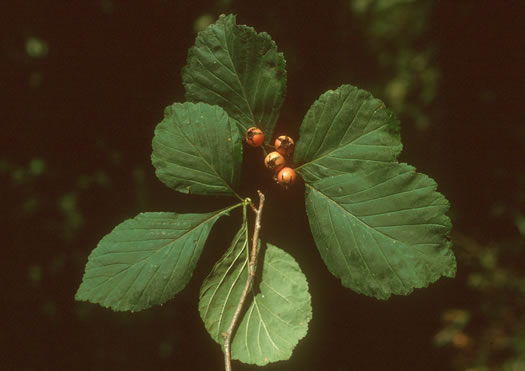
<point>251,275</point>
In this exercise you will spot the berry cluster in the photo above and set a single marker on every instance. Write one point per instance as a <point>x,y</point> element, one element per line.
<point>276,160</point>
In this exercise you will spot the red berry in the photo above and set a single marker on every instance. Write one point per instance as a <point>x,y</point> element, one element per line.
<point>274,161</point>
<point>254,137</point>
<point>286,177</point>
<point>284,145</point>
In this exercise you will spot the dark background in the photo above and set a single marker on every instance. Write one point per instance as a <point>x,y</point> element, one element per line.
<point>84,83</point>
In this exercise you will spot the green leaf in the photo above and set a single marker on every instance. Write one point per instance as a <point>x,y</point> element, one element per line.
<point>240,70</point>
<point>381,232</point>
<point>146,260</point>
<point>222,289</point>
<point>343,131</point>
<point>197,149</point>
<point>277,317</point>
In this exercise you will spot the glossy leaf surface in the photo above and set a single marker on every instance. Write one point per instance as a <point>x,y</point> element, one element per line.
<point>146,260</point>
<point>197,149</point>
<point>345,130</point>
<point>240,70</point>
<point>381,232</point>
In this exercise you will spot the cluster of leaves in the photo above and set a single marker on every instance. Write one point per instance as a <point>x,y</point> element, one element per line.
<point>379,225</point>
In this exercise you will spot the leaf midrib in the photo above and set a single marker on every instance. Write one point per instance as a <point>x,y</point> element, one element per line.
<point>338,205</point>
<point>232,191</point>
<point>371,228</point>
<point>236,74</point>
<point>161,248</point>
<point>344,146</point>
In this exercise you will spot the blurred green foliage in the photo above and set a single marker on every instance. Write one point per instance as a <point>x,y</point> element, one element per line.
<point>408,73</point>
<point>489,333</point>
<point>36,47</point>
